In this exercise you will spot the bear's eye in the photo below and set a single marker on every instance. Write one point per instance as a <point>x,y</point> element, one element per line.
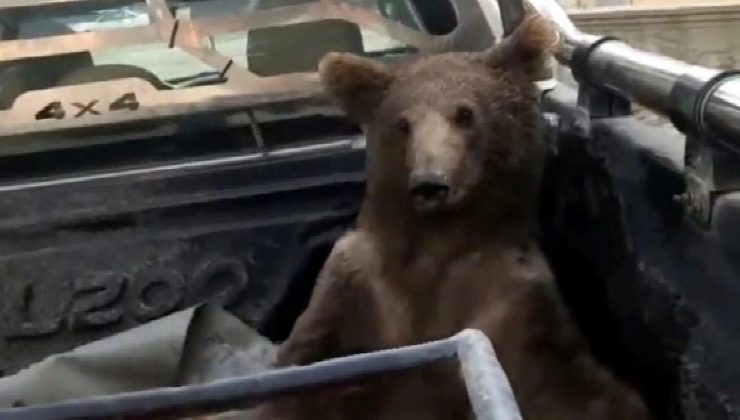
<point>403,125</point>
<point>464,116</point>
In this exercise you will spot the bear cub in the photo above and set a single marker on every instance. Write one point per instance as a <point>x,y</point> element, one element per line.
<point>444,242</point>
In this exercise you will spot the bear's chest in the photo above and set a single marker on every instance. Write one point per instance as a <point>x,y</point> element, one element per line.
<point>429,298</point>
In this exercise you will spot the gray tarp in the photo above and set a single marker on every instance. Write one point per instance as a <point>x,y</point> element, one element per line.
<point>196,345</point>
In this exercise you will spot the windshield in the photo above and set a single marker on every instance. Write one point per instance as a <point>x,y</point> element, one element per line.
<point>240,45</point>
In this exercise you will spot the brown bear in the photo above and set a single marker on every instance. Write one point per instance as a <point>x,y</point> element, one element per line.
<point>444,242</point>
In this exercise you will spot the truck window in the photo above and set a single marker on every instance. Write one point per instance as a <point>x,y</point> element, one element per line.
<point>262,38</point>
<point>436,17</point>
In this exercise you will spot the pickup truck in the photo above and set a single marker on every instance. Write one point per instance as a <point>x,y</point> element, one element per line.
<point>188,155</point>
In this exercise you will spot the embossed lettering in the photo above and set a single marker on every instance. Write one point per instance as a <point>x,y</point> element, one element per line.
<point>35,329</point>
<point>156,294</point>
<point>32,328</point>
<point>126,101</point>
<point>220,280</point>
<point>108,298</point>
<point>53,110</point>
<point>95,302</point>
<point>85,109</point>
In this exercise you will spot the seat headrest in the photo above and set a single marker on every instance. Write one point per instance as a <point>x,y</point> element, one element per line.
<point>298,47</point>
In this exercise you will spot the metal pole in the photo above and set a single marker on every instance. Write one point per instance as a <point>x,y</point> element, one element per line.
<point>490,394</point>
<point>708,99</point>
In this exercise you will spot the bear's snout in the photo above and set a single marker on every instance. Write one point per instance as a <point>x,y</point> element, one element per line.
<point>428,191</point>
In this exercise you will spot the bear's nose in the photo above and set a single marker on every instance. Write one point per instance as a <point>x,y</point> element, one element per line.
<point>429,187</point>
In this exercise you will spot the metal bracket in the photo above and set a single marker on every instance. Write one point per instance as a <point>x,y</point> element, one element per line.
<point>711,169</point>
<point>601,103</point>
<point>711,164</point>
<point>490,394</point>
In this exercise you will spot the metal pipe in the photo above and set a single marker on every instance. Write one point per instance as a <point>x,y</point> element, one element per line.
<point>483,375</point>
<point>641,76</point>
<point>647,78</point>
<point>722,111</point>
<point>490,394</point>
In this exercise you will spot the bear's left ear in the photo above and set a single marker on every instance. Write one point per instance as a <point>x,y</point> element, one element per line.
<point>527,50</point>
<point>356,83</point>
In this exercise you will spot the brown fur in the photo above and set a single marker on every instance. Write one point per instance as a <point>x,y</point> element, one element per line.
<point>412,273</point>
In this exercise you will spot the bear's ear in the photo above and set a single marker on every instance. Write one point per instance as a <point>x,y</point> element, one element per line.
<point>528,49</point>
<point>357,84</point>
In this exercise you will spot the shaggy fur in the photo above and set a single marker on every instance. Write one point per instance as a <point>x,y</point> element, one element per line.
<point>424,267</point>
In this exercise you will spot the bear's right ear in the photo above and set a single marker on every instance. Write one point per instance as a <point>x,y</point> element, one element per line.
<point>356,83</point>
<point>528,49</point>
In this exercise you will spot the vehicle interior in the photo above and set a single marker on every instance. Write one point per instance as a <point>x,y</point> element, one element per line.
<point>261,75</point>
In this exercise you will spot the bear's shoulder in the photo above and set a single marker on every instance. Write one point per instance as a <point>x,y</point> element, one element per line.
<point>353,257</point>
